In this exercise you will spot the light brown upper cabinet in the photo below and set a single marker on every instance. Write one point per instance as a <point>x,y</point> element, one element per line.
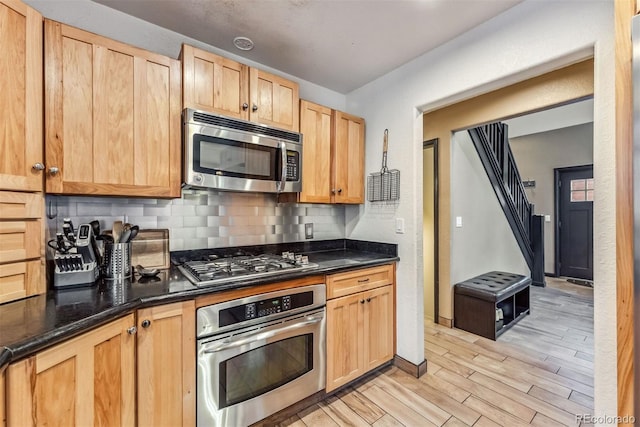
<point>348,158</point>
<point>333,155</point>
<point>112,117</point>
<point>223,86</point>
<point>315,127</point>
<point>21,162</point>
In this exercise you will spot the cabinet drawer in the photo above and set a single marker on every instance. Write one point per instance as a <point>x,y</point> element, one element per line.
<point>350,282</point>
<point>20,205</point>
<point>20,280</point>
<point>20,240</point>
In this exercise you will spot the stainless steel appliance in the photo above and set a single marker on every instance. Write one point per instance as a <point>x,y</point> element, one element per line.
<point>237,155</point>
<point>260,354</point>
<point>214,270</point>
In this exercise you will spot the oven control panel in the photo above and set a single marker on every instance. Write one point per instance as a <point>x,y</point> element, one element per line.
<point>265,307</point>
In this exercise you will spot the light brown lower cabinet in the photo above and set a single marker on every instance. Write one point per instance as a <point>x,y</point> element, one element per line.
<point>166,365</point>
<point>360,334</point>
<point>95,379</point>
<point>87,380</point>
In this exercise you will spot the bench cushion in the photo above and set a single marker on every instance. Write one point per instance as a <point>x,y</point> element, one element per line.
<point>494,286</point>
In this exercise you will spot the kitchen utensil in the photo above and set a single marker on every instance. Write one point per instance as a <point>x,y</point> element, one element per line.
<point>106,237</point>
<point>95,227</point>
<point>117,231</point>
<point>147,272</point>
<point>384,185</point>
<point>134,232</point>
<point>126,234</point>
<point>68,231</point>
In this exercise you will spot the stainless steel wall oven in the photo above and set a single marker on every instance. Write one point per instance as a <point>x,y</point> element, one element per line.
<point>260,354</point>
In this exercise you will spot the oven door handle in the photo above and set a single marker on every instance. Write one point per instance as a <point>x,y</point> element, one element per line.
<point>259,336</point>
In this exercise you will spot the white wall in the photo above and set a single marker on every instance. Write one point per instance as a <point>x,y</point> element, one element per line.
<point>537,156</point>
<point>531,38</point>
<point>485,241</point>
<point>114,24</point>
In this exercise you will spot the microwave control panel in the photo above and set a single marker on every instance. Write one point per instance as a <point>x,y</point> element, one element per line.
<point>266,307</point>
<point>293,165</point>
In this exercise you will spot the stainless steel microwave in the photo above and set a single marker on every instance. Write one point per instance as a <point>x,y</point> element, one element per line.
<point>237,155</point>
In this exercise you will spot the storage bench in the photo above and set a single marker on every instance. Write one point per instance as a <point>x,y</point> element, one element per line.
<point>489,304</point>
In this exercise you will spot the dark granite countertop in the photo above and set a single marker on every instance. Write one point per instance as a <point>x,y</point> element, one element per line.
<point>32,324</point>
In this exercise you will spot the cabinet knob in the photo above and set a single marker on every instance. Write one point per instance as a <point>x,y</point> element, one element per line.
<point>53,170</point>
<point>254,108</point>
<point>361,301</point>
<point>245,106</point>
<point>333,191</point>
<point>368,299</point>
<point>132,330</point>
<point>146,323</point>
<point>339,190</point>
<point>37,166</point>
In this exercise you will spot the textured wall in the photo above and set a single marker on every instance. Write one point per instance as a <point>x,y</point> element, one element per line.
<point>205,219</point>
<point>485,241</point>
<point>532,38</point>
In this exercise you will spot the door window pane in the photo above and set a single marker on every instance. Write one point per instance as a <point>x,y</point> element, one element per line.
<point>582,190</point>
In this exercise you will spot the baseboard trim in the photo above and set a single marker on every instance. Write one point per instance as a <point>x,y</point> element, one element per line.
<point>540,284</point>
<point>409,367</point>
<point>445,322</point>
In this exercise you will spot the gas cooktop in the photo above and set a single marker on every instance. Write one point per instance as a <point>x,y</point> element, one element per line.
<point>213,270</point>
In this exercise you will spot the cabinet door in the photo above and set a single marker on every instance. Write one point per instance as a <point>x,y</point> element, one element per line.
<point>378,327</point>
<point>21,100</point>
<point>274,100</point>
<point>345,332</point>
<point>348,158</point>
<point>214,83</point>
<point>166,365</point>
<point>315,126</point>
<point>87,380</point>
<point>21,245</point>
<point>112,115</point>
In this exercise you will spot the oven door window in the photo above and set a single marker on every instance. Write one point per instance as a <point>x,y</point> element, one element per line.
<point>265,368</point>
<point>225,157</point>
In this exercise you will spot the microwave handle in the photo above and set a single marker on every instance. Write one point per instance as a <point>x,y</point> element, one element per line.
<point>283,177</point>
<point>230,343</point>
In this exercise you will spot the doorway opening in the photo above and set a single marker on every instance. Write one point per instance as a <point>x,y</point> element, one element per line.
<point>430,228</point>
<point>574,191</point>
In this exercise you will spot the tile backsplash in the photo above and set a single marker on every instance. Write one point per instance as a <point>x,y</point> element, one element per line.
<point>204,218</point>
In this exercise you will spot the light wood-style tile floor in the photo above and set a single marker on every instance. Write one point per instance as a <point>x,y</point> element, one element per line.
<point>540,373</point>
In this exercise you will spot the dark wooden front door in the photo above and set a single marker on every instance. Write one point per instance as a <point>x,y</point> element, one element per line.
<point>575,215</point>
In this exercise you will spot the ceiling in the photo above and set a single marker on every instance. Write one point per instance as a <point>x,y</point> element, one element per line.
<point>573,114</point>
<point>337,44</point>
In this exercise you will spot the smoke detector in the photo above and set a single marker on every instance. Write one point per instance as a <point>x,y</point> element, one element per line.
<point>243,43</point>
